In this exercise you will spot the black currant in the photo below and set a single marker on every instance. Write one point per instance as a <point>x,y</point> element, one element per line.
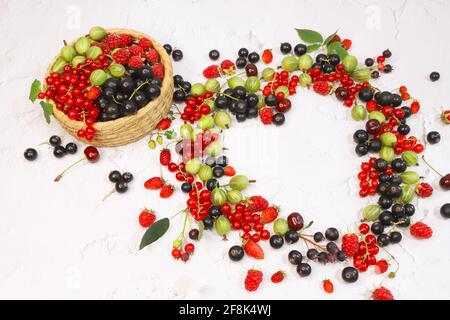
<point>291,236</point>
<point>179,95</point>
<point>128,108</point>
<point>241,62</point>
<point>222,102</point>
<point>383,240</point>
<point>433,137</point>
<point>304,269</point>
<point>177,55</point>
<point>361,149</point>
<point>243,52</point>
<point>369,62</point>
<point>318,237</point>
<point>208,222</point>
<point>145,73</point>
<point>350,274</point>
<point>384,98</point>
<point>374,145</point>
<point>236,253</point>
<point>115,176</point>
<point>168,48</point>
<point>398,165</point>
<point>121,187</point>
<point>285,47</point>
<point>410,209</point>
<point>312,254</point>
<point>403,129</point>
<point>377,228</point>
<point>445,211</point>
<point>218,171</point>
<point>332,247</point>
<point>59,151</point>
<point>214,211</point>
<point>278,119</point>
<point>270,100</point>
<point>365,94</point>
<point>276,241</point>
<point>395,237</point>
<point>341,256</point>
<point>214,54</point>
<point>127,177</point>
<point>386,218</point>
<point>360,136</point>
<point>381,165</point>
<point>334,59</point>
<point>385,202</point>
<point>434,76</point>
<point>210,161</point>
<point>253,57</point>
<point>332,234</point>
<point>54,141</point>
<point>300,49</point>
<point>193,234</point>
<point>322,257</point>
<point>186,187</point>
<point>295,257</point>
<point>30,154</point>
<point>177,80</point>
<point>222,161</point>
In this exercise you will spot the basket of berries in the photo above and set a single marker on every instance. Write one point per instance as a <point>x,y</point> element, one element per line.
<point>108,88</point>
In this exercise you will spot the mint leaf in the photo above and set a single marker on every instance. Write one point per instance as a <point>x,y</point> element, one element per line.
<point>313,47</point>
<point>329,38</point>
<point>48,110</point>
<point>34,90</point>
<point>156,231</point>
<point>337,48</point>
<point>309,36</point>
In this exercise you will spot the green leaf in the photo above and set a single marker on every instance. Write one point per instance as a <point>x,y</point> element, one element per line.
<point>309,36</point>
<point>309,225</point>
<point>156,231</point>
<point>170,134</point>
<point>337,48</point>
<point>329,38</point>
<point>201,227</point>
<point>47,108</point>
<point>35,89</point>
<point>313,47</point>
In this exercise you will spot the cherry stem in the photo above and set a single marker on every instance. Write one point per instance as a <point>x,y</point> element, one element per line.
<point>429,166</point>
<point>59,177</point>
<point>110,193</point>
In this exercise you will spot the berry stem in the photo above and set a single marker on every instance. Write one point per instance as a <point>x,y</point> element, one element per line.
<point>109,193</point>
<point>429,166</point>
<point>311,242</point>
<point>59,177</point>
<point>137,89</point>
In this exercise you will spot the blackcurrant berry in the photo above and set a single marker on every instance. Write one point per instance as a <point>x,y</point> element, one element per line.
<point>218,171</point>
<point>377,228</point>
<point>127,177</point>
<point>341,256</point>
<point>369,62</point>
<point>214,54</point>
<point>145,73</point>
<point>186,187</point>
<point>243,52</point>
<point>168,48</point>
<point>383,240</point>
<point>115,176</point>
<point>410,209</point>
<point>387,53</point>
<point>385,202</point>
<point>186,86</point>
<point>321,58</point>
<point>177,80</point>
<point>381,165</point>
<point>71,148</point>
<point>128,108</point>
<point>241,93</point>
<point>214,211</point>
<point>445,211</point>
<point>59,151</point>
<point>361,149</point>
<point>236,253</point>
<point>252,112</point>
<point>403,129</point>
<point>332,234</point>
<point>30,154</point>
<point>398,165</point>
<point>300,49</point>
<point>54,141</point>
<point>384,98</point>
<point>395,237</point>
<point>322,257</point>
<point>278,119</point>
<point>398,210</point>
<point>332,247</point>
<point>253,57</point>
<point>434,76</point>
<point>241,62</point>
<point>241,117</point>
<point>270,100</point>
<point>360,136</point>
<point>179,95</point>
<point>318,237</point>
<point>312,254</point>
<point>285,47</point>
<point>295,257</point>
<point>210,161</point>
<point>304,269</point>
<point>222,102</point>
<point>252,100</point>
<point>365,94</point>
<point>334,59</point>
<point>276,241</point>
<point>394,191</point>
<point>121,187</point>
<point>403,222</point>
<point>350,274</point>
<point>291,236</point>
<point>193,234</point>
<point>208,222</point>
<point>396,180</point>
<point>433,137</point>
<point>386,218</point>
<point>222,161</point>
<point>211,184</point>
<point>374,145</point>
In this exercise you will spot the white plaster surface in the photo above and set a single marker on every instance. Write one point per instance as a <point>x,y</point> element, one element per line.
<point>61,241</point>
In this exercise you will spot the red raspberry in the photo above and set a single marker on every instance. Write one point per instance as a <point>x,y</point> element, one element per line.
<point>152,56</point>
<point>266,114</point>
<point>104,46</point>
<point>113,41</point>
<point>145,44</point>
<point>135,62</point>
<point>350,244</point>
<point>227,66</point>
<point>127,40</point>
<point>424,190</point>
<point>211,72</point>
<point>382,294</point>
<point>164,157</point>
<point>122,56</point>
<point>253,280</point>
<point>322,87</point>
<point>257,204</point>
<point>158,70</point>
<point>136,50</point>
<point>146,218</point>
<point>278,276</point>
<point>421,231</point>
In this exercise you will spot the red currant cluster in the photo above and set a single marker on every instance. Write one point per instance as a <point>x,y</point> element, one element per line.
<point>189,149</point>
<point>196,107</point>
<point>282,78</point>
<point>177,253</point>
<point>368,178</point>
<point>73,95</point>
<point>199,200</point>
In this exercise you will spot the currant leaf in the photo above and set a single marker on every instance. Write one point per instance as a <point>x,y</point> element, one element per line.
<point>310,36</point>
<point>47,108</point>
<point>313,47</point>
<point>156,231</point>
<point>337,48</point>
<point>329,38</point>
<point>34,90</point>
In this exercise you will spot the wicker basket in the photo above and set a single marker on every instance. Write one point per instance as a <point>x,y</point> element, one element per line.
<point>131,128</point>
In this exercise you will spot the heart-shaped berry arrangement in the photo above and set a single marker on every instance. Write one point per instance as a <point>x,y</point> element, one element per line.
<point>215,192</point>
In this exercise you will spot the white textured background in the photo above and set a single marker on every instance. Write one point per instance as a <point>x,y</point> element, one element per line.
<point>61,241</point>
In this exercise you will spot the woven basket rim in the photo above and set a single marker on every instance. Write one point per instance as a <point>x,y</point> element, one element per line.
<point>166,83</point>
